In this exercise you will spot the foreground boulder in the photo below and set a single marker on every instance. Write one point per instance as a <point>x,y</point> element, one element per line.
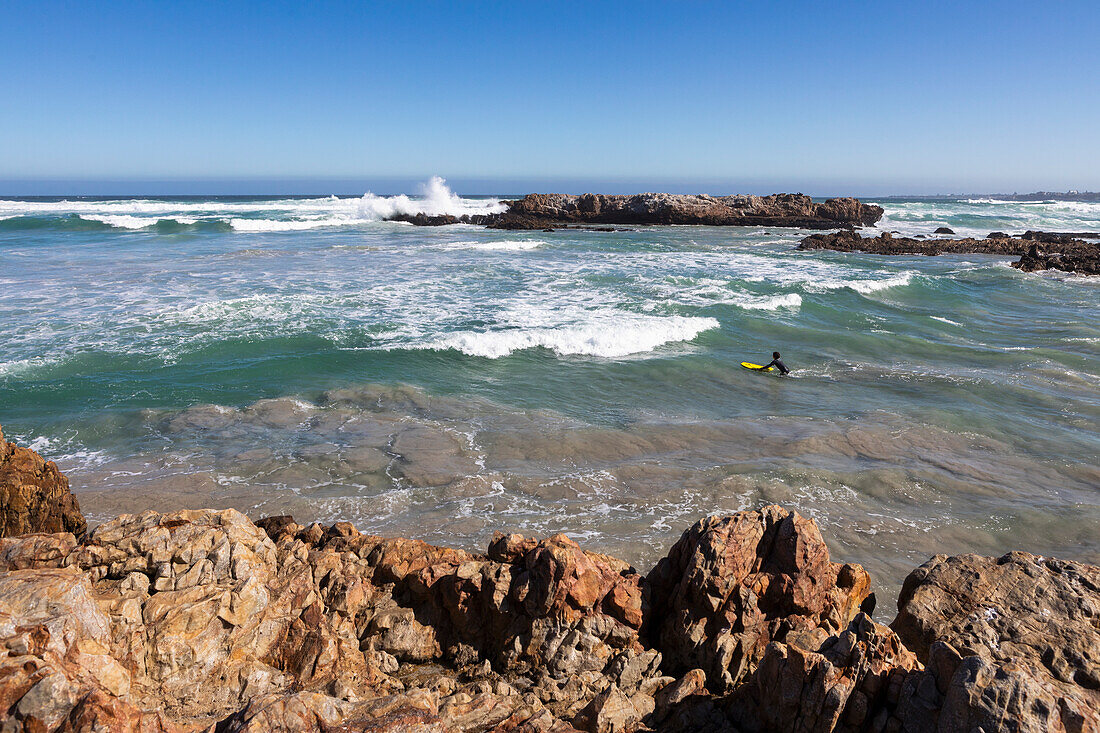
<point>34,495</point>
<point>1010,642</point>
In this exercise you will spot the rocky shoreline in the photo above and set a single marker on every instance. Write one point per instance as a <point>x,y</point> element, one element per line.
<point>550,211</point>
<point>1068,252</point>
<point>205,620</point>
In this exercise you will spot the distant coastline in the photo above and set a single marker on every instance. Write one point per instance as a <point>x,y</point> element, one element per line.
<point>1081,196</point>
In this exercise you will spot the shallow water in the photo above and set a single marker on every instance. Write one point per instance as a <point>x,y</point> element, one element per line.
<point>298,355</point>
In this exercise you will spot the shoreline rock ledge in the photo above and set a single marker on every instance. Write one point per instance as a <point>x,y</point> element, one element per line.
<point>550,210</point>
<point>203,620</point>
<point>1068,252</point>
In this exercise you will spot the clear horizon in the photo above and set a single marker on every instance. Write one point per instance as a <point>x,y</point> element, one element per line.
<point>461,186</point>
<point>859,99</point>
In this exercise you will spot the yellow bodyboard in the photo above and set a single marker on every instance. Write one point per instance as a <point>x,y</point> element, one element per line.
<point>758,367</point>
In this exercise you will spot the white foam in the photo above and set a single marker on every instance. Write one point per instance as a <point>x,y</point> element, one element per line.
<point>122,221</point>
<point>126,221</point>
<point>281,225</point>
<point>504,245</point>
<point>769,302</point>
<point>610,337</point>
<point>16,367</point>
<point>67,453</point>
<point>945,320</point>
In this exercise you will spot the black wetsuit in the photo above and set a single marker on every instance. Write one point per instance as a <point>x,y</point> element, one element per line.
<point>778,364</point>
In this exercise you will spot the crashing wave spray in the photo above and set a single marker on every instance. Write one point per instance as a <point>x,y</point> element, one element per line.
<point>437,200</point>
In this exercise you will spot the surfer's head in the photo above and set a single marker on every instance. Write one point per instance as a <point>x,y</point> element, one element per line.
<point>775,354</point>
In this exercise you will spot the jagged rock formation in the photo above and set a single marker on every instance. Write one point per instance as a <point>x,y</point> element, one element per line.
<point>1067,252</point>
<point>548,210</point>
<point>204,620</point>
<point>852,681</point>
<point>733,584</point>
<point>34,495</point>
<point>1082,260</point>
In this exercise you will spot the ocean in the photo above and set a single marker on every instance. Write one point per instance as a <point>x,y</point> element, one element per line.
<point>301,356</point>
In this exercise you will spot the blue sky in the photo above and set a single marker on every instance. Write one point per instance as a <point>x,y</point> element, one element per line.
<point>867,98</point>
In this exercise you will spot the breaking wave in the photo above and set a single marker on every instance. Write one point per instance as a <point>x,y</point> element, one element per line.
<point>605,336</point>
<point>504,245</point>
<point>863,287</point>
<point>281,215</point>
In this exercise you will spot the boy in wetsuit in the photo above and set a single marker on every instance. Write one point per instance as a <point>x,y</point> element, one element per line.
<point>777,363</point>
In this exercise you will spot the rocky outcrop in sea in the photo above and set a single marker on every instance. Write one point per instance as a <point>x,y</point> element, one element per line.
<point>205,620</point>
<point>542,211</point>
<point>1068,252</point>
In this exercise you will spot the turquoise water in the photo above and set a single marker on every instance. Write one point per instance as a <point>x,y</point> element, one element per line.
<point>299,355</point>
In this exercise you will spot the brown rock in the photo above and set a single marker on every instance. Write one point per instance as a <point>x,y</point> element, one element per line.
<point>36,551</point>
<point>34,495</point>
<point>612,711</point>
<point>536,211</point>
<point>308,712</point>
<point>275,527</point>
<point>424,220</point>
<point>691,684</point>
<point>56,669</point>
<point>1082,258</point>
<point>733,584</point>
<point>1005,639</point>
<point>99,711</point>
<point>852,682</point>
<point>510,547</point>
